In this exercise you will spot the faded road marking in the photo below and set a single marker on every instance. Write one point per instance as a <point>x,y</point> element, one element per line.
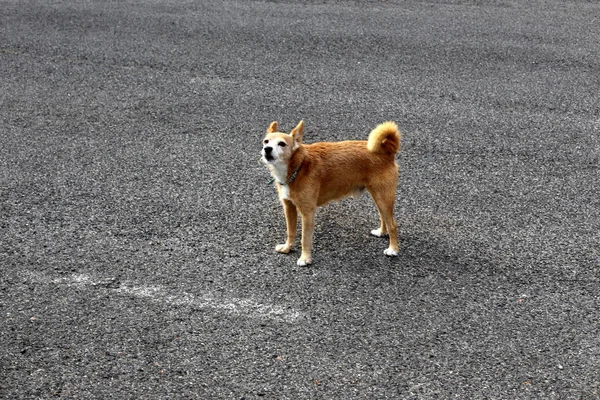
<point>157,293</point>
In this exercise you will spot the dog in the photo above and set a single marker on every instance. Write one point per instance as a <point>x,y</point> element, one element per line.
<point>308,176</point>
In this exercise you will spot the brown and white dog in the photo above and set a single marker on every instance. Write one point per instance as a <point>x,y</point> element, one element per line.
<point>310,175</point>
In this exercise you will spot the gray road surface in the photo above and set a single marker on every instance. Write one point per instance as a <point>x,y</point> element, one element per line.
<point>137,227</point>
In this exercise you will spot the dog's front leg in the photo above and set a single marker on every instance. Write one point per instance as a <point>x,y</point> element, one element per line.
<point>291,220</point>
<point>308,227</point>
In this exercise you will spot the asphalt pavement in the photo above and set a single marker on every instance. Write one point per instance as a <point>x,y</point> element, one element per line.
<point>137,226</point>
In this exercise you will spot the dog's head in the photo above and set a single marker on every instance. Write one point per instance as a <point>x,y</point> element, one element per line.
<point>278,147</point>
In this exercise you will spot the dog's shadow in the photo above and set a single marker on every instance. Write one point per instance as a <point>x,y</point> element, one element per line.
<point>424,249</point>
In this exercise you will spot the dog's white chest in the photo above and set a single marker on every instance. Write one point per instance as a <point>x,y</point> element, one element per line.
<point>284,192</point>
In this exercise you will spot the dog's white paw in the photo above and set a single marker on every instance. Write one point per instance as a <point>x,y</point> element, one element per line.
<point>283,248</point>
<point>303,262</point>
<point>377,232</point>
<point>390,252</point>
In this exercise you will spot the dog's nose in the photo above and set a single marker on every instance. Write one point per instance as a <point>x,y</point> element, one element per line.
<point>268,150</point>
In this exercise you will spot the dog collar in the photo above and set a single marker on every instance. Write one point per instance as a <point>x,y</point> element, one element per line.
<point>290,179</point>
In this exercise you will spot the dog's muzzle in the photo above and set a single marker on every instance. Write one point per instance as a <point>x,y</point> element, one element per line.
<point>268,153</point>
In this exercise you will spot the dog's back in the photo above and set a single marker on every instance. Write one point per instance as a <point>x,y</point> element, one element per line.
<point>339,169</point>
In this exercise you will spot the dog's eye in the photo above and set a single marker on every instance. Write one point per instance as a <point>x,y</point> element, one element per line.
<point>266,141</point>
<point>281,144</point>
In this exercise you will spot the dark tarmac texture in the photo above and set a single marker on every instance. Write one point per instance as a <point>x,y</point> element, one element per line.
<point>137,228</point>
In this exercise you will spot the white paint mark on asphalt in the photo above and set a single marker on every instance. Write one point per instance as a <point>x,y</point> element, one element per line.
<point>160,294</point>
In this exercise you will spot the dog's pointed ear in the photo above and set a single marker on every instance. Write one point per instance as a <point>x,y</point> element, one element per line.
<point>297,133</point>
<point>273,127</point>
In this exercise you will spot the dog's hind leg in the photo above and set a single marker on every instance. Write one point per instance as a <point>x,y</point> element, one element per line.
<point>382,230</point>
<point>384,200</point>
<point>291,221</point>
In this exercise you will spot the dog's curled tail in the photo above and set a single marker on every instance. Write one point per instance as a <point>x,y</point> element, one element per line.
<point>385,138</point>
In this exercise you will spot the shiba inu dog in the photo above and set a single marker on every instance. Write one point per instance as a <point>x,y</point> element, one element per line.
<point>311,175</point>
